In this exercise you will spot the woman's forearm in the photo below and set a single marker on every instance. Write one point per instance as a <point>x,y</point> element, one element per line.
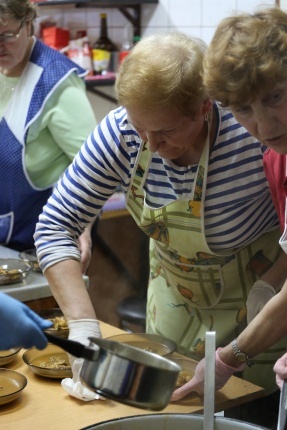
<point>267,328</point>
<point>69,289</point>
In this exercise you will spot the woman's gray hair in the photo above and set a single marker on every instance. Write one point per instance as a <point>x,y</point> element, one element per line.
<point>20,10</point>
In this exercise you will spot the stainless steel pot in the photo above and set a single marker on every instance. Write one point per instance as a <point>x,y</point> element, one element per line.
<point>124,373</point>
<point>171,422</point>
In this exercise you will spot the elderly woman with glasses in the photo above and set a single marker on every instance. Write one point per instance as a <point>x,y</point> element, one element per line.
<point>45,116</point>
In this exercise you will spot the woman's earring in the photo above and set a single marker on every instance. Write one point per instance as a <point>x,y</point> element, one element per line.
<point>207,116</point>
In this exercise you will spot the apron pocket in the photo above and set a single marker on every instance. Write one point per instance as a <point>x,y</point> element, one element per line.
<point>201,287</point>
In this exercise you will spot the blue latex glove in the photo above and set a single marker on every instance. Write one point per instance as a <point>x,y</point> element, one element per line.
<point>20,326</point>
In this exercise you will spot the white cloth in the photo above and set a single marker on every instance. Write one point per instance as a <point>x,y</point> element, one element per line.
<point>80,331</point>
<point>74,386</point>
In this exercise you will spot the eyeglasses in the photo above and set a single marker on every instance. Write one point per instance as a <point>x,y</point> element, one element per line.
<point>11,37</point>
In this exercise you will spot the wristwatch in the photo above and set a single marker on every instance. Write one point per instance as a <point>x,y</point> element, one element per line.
<point>240,355</point>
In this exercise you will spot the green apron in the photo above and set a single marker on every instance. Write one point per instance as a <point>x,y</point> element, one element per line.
<point>192,289</point>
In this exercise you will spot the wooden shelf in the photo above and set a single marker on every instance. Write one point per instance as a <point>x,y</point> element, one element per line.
<point>95,3</point>
<point>121,5</point>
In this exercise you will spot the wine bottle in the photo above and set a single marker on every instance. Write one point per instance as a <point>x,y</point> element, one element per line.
<point>102,49</point>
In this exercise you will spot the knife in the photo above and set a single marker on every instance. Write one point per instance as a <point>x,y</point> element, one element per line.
<point>282,416</point>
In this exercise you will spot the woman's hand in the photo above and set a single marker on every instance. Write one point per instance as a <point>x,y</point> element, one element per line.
<point>280,368</point>
<point>80,331</point>
<point>85,247</point>
<point>222,373</point>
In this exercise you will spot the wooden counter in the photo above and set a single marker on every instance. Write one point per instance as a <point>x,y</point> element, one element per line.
<point>44,404</point>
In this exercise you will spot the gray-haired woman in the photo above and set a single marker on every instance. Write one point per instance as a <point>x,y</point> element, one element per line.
<point>45,117</point>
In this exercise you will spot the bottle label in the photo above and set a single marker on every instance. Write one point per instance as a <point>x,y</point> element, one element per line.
<point>101,60</point>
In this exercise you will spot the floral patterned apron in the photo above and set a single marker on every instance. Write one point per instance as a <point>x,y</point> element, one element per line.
<point>192,289</point>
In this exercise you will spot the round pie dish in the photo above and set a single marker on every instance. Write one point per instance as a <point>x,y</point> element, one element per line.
<point>187,370</point>
<point>51,362</point>
<point>60,326</point>
<point>11,385</point>
<point>8,355</point>
<point>149,342</point>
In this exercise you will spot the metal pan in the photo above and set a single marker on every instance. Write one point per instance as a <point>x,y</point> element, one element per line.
<point>170,422</point>
<point>124,373</point>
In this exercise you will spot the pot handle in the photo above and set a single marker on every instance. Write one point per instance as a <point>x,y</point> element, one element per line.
<point>282,417</point>
<point>74,348</point>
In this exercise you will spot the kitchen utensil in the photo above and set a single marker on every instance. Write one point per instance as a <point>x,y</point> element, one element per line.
<point>209,383</point>
<point>124,373</point>
<point>13,270</point>
<point>51,362</point>
<point>149,342</point>
<point>170,422</point>
<point>60,326</point>
<point>187,370</point>
<point>12,383</point>
<point>31,256</point>
<point>8,355</point>
<point>282,416</point>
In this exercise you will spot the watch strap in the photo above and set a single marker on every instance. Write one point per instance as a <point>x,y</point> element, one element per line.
<point>241,355</point>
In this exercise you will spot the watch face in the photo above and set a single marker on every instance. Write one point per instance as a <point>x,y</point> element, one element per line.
<point>241,357</point>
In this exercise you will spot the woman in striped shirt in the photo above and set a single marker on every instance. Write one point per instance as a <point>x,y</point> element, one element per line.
<point>191,186</point>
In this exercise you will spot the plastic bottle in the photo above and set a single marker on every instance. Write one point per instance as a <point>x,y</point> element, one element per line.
<point>79,51</point>
<point>87,56</point>
<point>102,49</point>
<point>127,43</point>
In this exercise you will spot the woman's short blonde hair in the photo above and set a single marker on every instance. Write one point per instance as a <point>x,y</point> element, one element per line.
<point>163,70</point>
<point>248,53</point>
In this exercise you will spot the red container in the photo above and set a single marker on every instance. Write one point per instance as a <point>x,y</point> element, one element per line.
<point>56,37</point>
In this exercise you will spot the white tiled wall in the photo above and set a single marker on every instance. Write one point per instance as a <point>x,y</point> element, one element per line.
<point>194,17</point>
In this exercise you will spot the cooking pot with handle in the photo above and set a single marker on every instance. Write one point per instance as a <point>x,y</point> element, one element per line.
<point>124,373</point>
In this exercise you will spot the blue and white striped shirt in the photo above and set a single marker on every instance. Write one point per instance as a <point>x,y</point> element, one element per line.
<point>238,208</point>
